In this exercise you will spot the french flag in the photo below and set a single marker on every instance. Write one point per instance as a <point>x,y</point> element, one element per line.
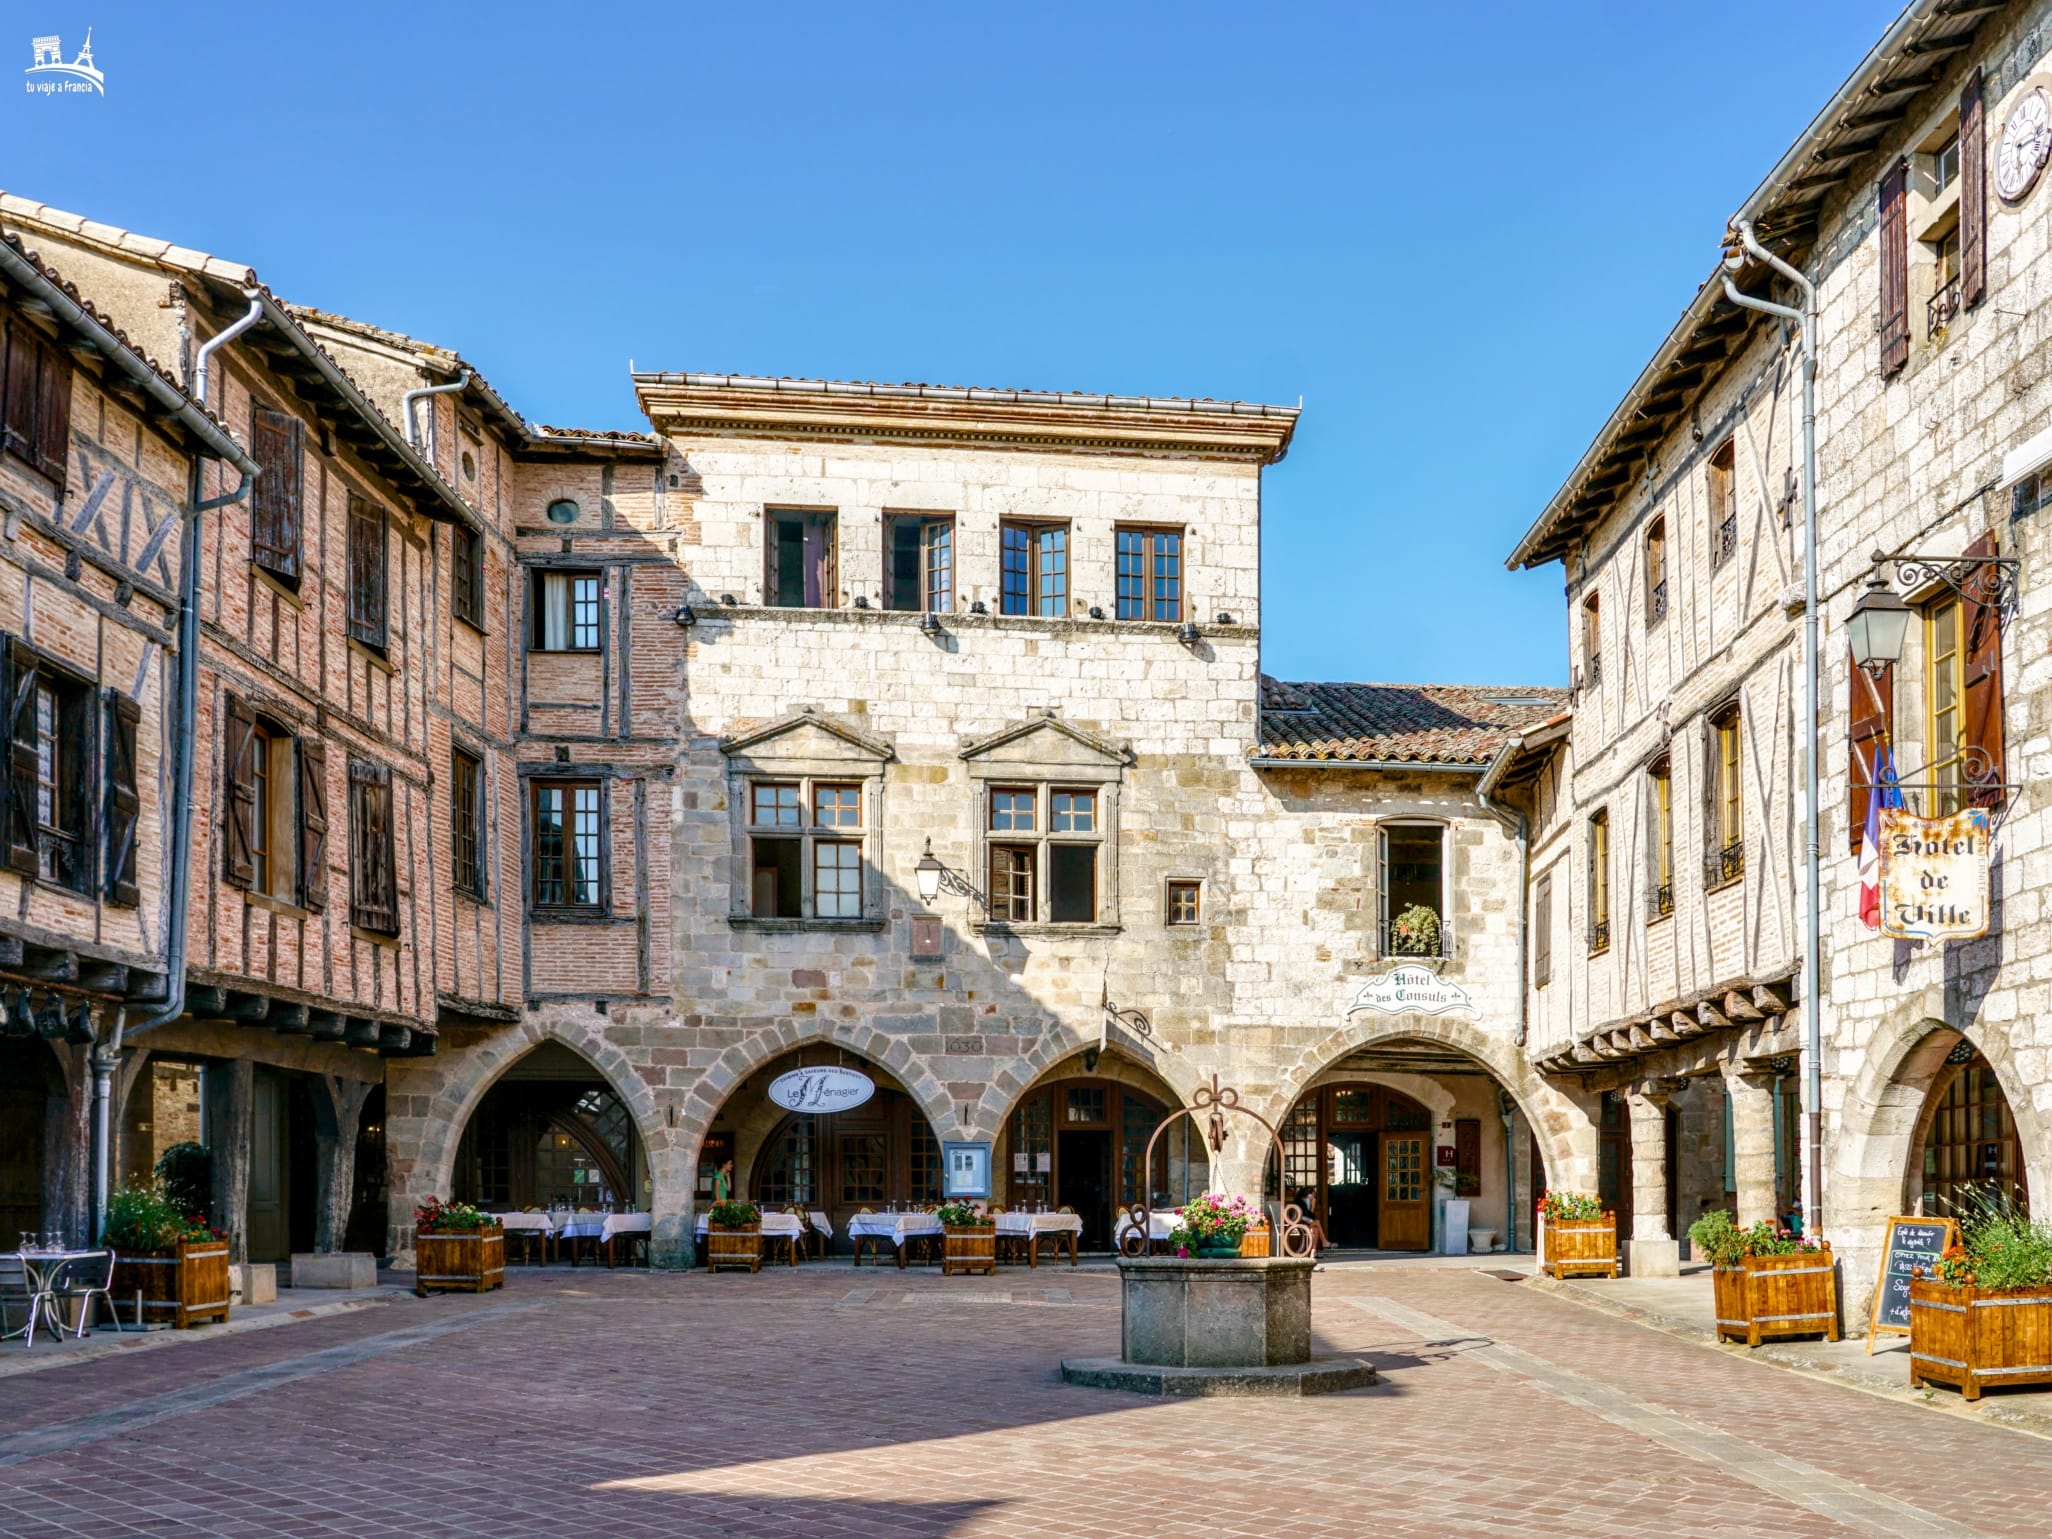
<point>1884,794</point>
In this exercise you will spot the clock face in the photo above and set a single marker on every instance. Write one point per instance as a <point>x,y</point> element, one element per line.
<point>2025,144</point>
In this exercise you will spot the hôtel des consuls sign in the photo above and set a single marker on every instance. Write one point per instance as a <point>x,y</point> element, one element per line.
<point>1934,875</point>
<point>1403,990</point>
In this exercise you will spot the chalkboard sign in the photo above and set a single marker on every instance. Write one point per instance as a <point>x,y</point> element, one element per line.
<point>1912,1244</point>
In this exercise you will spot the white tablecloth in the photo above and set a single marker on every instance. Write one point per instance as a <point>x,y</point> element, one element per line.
<point>772,1224</point>
<point>895,1227</point>
<point>1039,1223</point>
<point>821,1222</point>
<point>603,1226</point>
<point>538,1223</point>
<point>1159,1222</point>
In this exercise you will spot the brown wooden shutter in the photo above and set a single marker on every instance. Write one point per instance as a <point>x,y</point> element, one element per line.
<point>1973,194</point>
<point>1983,668</point>
<point>1872,713</point>
<point>24,353</point>
<point>124,799</point>
<point>53,415</point>
<point>1894,260</point>
<point>313,824</point>
<point>238,758</point>
<point>374,897</point>
<point>367,573</point>
<point>23,760</point>
<point>276,499</point>
<point>1467,1156</point>
<point>1542,924</point>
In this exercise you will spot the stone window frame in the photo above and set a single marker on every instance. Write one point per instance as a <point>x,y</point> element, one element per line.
<point>1049,773</point>
<point>1385,916</point>
<point>854,759</point>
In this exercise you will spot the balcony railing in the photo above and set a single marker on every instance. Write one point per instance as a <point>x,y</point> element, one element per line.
<point>1727,539</point>
<point>1595,669</point>
<point>1663,900</point>
<point>1656,601</point>
<point>1942,307</point>
<point>1725,865</point>
<point>1599,937</point>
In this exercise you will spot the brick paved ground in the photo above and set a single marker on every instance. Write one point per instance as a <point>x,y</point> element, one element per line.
<point>868,1403</point>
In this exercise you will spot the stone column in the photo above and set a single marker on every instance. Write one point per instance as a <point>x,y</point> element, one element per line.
<point>231,1099</point>
<point>1652,1251</point>
<point>1752,1144</point>
<point>335,1160</point>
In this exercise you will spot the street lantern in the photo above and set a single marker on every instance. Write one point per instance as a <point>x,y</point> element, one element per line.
<point>1878,626</point>
<point>928,872</point>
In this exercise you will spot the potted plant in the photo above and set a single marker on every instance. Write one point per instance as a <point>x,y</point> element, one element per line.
<point>1212,1227</point>
<point>733,1235</point>
<point>968,1240</point>
<point>1415,932</point>
<point>1576,1236</point>
<point>174,1261</point>
<point>1983,1314</point>
<point>456,1249</point>
<point>1766,1280</point>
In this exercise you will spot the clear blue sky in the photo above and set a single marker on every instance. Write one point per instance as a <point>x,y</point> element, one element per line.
<point>1456,231</point>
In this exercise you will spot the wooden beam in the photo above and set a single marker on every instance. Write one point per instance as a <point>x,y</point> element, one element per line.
<point>49,965</point>
<point>1710,1015</point>
<point>102,977</point>
<point>1772,998</point>
<point>394,1038</point>
<point>1686,1025</point>
<point>1740,1007</point>
<point>360,1033</point>
<point>250,1009</point>
<point>324,1025</point>
<point>290,1019</point>
<point>204,1002</point>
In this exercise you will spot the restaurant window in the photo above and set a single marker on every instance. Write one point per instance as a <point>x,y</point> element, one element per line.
<point>373,867</point>
<point>798,556</point>
<point>367,610</point>
<point>1033,569</point>
<point>1413,891</point>
<point>466,822</point>
<point>1725,861</point>
<point>1044,845</point>
<point>919,562</point>
<point>52,760</point>
<point>568,853</point>
<point>1592,639</point>
<point>787,1166</point>
<point>1150,574</point>
<point>806,855</point>
<point>1185,902</point>
<point>466,575</point>
<point>1660,804</point>
<point>1599,883</point>
<point>1723,490</point>
<point>1542,931</point>
<point>566,611</point>
<point>278,445</point>
<point>35,416</point>
<point>1656,571</point>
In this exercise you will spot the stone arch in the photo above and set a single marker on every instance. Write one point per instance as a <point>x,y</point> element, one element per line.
<point>1053,1049</point>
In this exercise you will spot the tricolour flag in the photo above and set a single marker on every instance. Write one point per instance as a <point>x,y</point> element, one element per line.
<point>1882,794</point>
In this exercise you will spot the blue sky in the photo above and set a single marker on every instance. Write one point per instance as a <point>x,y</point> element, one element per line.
<point>1457,232</point>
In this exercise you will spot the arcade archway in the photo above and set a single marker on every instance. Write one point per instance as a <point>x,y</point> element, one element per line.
<point>551,1131</point>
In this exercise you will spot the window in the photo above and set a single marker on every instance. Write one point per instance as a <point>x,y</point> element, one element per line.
<point>466,820</point>
<point>1599,883</point>
<point>1871,727</point>
<point>1726,814</point>
<point>373,866</point>
<point>805,841</point>
<point>568,866</point>
<point>1058,857</point>
<point>566,611</point>
<point>1542,931</point>
<point>1893,261</point>
<point>276,808</point>
<point>35,417</point>
<point>1723,489</point>
<point>1656,571</point>
<point>1944,692</point>
<point>1033,569</point>
<point>1592,639</point>
<point>1150,574</point>
<point>51,730</point>
<point>919,563</point>
<point>466,575</point>
<point>798,556</point>
<point>1413,891</point>
<point>263,745</point>
<point>367,619</point>
<point>1185,902</point>
<point>1943,304</point>
<point>1661,803</point>
<point>279,448</point>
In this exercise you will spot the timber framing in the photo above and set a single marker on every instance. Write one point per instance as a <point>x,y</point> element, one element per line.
<point>211,995</point>
<point>1757,1013</point>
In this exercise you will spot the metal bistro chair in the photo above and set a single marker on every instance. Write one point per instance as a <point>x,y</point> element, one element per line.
<point>85,1278</point>
<point>16,1293</point>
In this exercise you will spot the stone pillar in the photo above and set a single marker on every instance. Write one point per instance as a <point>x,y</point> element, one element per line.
<point>231,1099</point>
<point>1651,1251</point>
<point>1752,1144</point>
<point>335,1160</point>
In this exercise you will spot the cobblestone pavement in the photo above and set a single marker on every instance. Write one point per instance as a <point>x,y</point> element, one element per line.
<point>843,1402</point>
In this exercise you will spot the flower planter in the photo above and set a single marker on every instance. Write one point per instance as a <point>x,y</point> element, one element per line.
<point>459,1261</point>
<point>1256,1243</point>
<point>178,1286</point>
<point>1770,1296</point>
<point>1580,1247</point>
<point>733,1247</point>
<point>969,1248</point>
<point>1974,1337</point>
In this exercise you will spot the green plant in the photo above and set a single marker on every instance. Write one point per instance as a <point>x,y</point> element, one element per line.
<point>1570,1207</point>
<point>2008,1250</point>
<point>1717,1239</point>
<point>435,1216</point>
<point>1415,932</point>
<point>144,1218</point>
<point>959,1212</point>
<point>187,1171</point>
<point>733,1213</point>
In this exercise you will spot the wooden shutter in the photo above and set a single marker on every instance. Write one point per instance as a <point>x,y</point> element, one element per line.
<point>1467,1156</point>
<point>1894,259</point>
<point>22,759</point>
<point>1983,666</point>
<point>1872,713</point>
<point>373,899</point>
<point>238,758</point>
<point>23,353</point>
<point>367,573</point>
<point>276,499</point>
<point>1973,194</point>
<point>124,799</point>
<point>313,824</point>
<point>53,414</point>
<point>1542,927</point>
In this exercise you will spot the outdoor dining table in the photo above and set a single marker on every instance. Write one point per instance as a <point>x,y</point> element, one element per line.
<point>605,1228</point>
<point>39,1270</point>
<point>895,1227</point>
<point>1160,1221</point>
<point>1065,1229</point>
<point>535,1228</point>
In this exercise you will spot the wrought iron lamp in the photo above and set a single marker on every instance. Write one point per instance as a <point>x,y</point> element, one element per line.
<point>934,878</point>
<point>1878,626</point>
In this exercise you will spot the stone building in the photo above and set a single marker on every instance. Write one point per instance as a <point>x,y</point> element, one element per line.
<point>1915,204</point>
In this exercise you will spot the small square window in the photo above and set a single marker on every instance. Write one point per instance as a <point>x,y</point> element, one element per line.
<point>775,806</point>
<point>1014,812</point>
<point>1185,902</point>
<point>837,806</point>
<point>1074,812</point>
<point>566,611</point>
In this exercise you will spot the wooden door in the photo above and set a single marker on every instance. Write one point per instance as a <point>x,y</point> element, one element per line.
<point>1405,1222</point>
<point>269,1231</point>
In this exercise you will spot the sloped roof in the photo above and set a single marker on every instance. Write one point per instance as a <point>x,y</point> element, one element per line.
<point>1466,724</point>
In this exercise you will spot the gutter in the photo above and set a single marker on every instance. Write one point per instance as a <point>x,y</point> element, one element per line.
<point>413,436</point>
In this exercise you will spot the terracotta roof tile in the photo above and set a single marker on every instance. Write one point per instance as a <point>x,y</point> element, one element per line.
<point>1419,723</point>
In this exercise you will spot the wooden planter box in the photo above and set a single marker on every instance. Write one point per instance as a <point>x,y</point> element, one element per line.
<point>459,1261</point>
<point>969,1248</point>
<point>1769,1296</point>
<point>1974,1337</point>
<point>177,1286</point>
<point>1256,1241</point>
<point>733,1247</point>
<point>1580,1247</point>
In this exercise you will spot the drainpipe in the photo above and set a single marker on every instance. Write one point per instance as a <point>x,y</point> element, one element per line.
<point>1506,1103</point>
<point>406,403</point>
<point>1813,922</point>
<point>107,1055</point>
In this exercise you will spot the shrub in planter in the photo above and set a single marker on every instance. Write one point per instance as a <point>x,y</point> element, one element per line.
<point>1983,1315</point>
<point>968,1240</point>
<point>733,1235</point>
<point>1213,1226</point>
<point>1580,1238</point>
<point>456,1249</point>
<point>187,1171</point>
<point>1415,932</point>
<point>1767,1281</point>
<point>174,1261</point>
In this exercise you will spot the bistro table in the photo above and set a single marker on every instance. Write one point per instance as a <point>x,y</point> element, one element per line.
<point>603,1228</point>
<point>536,1229</point>
<point>1064,1229</point>
<point>1160,1221</point>
<point>775,1226</point>
<point>821,1226</point>
<point>39,1271</point>
<point>867,1230</point>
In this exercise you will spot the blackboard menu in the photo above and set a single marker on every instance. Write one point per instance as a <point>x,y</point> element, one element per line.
<point>1914,1244</point>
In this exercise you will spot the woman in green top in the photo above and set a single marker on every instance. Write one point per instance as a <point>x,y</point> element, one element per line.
<point>723,1182</point>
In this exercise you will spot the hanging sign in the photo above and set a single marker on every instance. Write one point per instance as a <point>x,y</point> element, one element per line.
<point>1934,875</point>
<point>1408,990</point>
<point>827,1089</point>
<point>1911,1245</point>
